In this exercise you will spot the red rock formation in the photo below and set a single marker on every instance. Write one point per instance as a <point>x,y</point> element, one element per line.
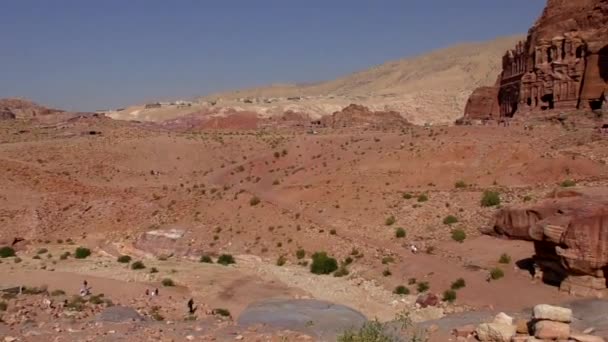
<point>570,234</point>
<point>357,116</point>
<point>483,104</point>
<point>563,64</point>
<point>23,109</point>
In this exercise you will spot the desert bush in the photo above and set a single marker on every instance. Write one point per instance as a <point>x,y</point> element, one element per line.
<point>37,257</point>
<point>82,253</point>
<point>96,299</point>
<point>76,303</point>
<point>387,273</point>
<point>458,284</point>
<point>527,198</point>
<point>423,198</point>
<point>407,196</point>
<point>449,296</point>
<point>390,220</point>
<point>3,306</point>
<point>300,253</point>
<point>490,199</point>
<point>168,282</point>
<point>64,256</point>
<point>124,259</point>
<point>568,183</point>
<point>221,312</point>
<point>411,281</point>
<point>387,259</point>
<point>254,201</point>
<point>281,260</point>
<point>423,286</point>
<point>17,260</point>
<point>226,259</point>
<point>138,265</point>
<point>154,270</point>
<point>504,258</point>
<point>341,272</point>
<point>42,251</point>
<point>460,185</point>
<point>449,220</point>
<point>496,273</point>
<point>56,293</point>
<point>459,235</point>
<point>372,331</point>
<point>332,232</point>
<point>401,290</point>
<point>400,233</point>
<point>7,252</point>
<point>323,264</point>
<point>206,259</point>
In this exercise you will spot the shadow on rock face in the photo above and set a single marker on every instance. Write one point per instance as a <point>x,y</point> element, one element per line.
<point>324,320</point>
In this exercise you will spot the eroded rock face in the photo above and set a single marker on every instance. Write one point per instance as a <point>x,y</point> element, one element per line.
<point>13,108</point>
<point>483,104</point>
<point>171,241</point>
<point>357,116</point>
<point>570,235</point>
<point>563,63</point>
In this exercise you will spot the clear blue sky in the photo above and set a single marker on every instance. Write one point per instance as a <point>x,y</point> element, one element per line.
<point>96,54</point>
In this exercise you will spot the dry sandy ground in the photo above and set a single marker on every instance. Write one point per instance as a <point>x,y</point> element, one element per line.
<point>328,192</point>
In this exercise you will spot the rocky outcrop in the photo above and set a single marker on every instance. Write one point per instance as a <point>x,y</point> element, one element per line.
<point>570,235</point>
<point>164,243</point>
<point>563,64</point>
<point>483,104</point>
<point>357,116</point>
<point>14,108</point>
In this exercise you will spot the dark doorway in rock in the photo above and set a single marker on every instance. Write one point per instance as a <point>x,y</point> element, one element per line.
<point>597,104</point>
<point>549,56</point>
<point>529,101</point>
<point>579,52</point>
<point>602,63</point>
<point>548,99</point>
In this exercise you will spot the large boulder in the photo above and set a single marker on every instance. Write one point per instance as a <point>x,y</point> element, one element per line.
<point>482,104</point>
<point>357,116</point>
<point>495,332</point>
<point>550,330</point>
<point>552,313</point>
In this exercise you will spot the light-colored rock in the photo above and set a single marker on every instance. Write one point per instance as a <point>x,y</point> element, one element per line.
<point>464,331</point>
<point>10,339</point>
<point>503,318</point>
<point>552,313</point>
<point>551,330</point>
<point>522,326</point>
<point>495,332</point>
<point>586,338</point>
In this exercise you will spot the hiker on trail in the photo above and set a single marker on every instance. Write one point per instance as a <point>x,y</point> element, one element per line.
<point>191,308</point>
<point>85,290</point>
<point>156,292</point>
<point>414,249</point>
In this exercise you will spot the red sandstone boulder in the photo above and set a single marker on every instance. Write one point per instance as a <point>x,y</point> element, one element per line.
<point>427,300</point>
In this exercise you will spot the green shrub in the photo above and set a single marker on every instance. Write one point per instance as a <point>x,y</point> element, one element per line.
<point>7,252</point>
<point>387,260</point>
<point>400,233</point>
<point>281,260</point>
<point>42,251</point>
<point>82,253</point>
<point>254,201</point>
<point>167,282</point>
<point>226,259</point>
<point>423,198</point>
<point>401,290</point>
<point>423,286</point>
<point>341,272</point>
<point>458,284</point>
<point>490,199</point>
<point>390,220</point>
<point>496,273</point>
<point>372,331</point>
<point>96,299</point>
<point>154,270</point>
<point>449,296</point>
<point>300,253</point>
<point>527,198</point>
<point>387,273</point>
<point>221,312</point>
<point>411,281</point>
<point>206,259</point>
<point>460,185</point>
<point>449,220</point>
<point>459,235</point>
<point>138,265</point>
<point>568,183</point>
<point>124,259</point>
<point>504,259</point>
<point>323,264</point>
<point>407,196</point>
<point>56,293</point>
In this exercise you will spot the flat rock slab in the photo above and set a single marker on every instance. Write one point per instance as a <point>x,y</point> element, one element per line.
<point>322,319</point>
<point>119,314</point>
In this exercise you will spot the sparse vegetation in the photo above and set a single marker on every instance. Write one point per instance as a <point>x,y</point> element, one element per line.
<point>138,265</point>
<point>449,220</point>
<point>323,264</point>
<point>7,252</point>
<point>153,270</point>
<point>221,312</point>
<point>460,185</point>
<point>459,235</point>
<point>449,296</point>
<point>423,286</point>
<point>568,183</point>
<point>490,199</point>
<point>168,282</point>
<point>341,272</point>
<point>42,251</point>
<point>401,290</point>
<point>407,196</point>
<point>300,253</point>
<point>226,259</point>
<point>82,253</point>
<point>206,259</point>
<point>387,273</point>
<point>496,273</point>
<point>390,220</point>
<point>281,260</point>
<point>387,260</point>
<point>504,258</point>
<point>400,233</point>
<point>124,259</point>
<point>254,201</point>
<point>64,255</point>
<point>56,293</point>
<point>458,284</point>
<point>423,198</point>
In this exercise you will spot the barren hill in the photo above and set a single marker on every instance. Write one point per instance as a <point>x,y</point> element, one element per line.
<point>428,88</point>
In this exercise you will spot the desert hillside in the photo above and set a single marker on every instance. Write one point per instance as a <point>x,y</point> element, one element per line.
<point>428,88</point>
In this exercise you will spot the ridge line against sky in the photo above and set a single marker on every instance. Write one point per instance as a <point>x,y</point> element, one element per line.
<point>88,55</point>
